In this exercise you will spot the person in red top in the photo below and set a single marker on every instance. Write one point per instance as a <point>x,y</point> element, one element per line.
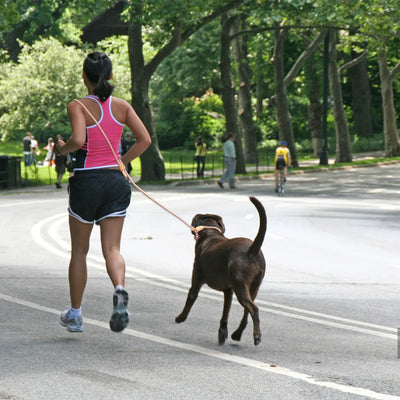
<point>98,191</point>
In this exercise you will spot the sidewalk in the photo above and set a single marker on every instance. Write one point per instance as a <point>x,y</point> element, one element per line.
<point>266,171</point>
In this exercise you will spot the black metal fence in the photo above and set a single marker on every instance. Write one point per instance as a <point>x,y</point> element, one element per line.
<point>177,167</point>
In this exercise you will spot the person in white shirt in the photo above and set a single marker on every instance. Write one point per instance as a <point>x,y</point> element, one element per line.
<point>230,162</point>
<point>35,149</point>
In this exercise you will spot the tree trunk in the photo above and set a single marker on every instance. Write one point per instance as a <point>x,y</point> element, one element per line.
<point>12,44</point>
<point>245,112</point>
<point>315,109</point>
<point>361,100</point>
<point>261,94</point>
<point>152,163</point>
<point>228,91</point>
<point>343,145</point>
<point>281,103</point>
<point>392,142</point>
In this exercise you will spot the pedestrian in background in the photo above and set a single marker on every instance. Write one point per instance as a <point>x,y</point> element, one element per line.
<point>49,160</point>
<point>27,149</point>
<point>230,162</point>
<point>200,156</point>
<point>126,144</point>
<point>60,165</point>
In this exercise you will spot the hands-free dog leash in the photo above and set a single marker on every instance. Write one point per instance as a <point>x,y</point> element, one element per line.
<point>121,166</point>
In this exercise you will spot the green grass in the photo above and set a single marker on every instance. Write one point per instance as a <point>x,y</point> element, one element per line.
<point>11,149</point>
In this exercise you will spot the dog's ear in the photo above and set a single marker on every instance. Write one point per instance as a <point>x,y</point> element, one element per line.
<point>196,221</point>
<point>221,225</point>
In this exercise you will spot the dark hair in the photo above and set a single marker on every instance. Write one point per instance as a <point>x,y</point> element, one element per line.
<point>199,141</point>
<point>98,69</point>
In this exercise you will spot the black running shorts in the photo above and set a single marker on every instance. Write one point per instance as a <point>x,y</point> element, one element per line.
<point>97,194</point>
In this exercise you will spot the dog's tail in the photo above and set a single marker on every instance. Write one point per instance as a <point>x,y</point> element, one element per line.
<point>258,241</point>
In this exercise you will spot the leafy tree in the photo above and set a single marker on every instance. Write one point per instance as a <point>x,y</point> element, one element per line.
<point>191,70</point>
<point>34,92</point>
<point>8,14</point>
<point>184,92</point>
<point>375,22</point>
<point>380,21</point>
<point>31,19</point>
<point>343,144</point>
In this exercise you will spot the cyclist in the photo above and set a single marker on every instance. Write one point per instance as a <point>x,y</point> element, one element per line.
<point>282,160</point>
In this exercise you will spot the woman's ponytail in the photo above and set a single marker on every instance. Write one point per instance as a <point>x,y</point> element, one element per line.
<point>103,89</point>
<point>98,69</point>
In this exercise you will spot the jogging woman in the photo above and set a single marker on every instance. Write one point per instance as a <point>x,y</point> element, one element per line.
<point>98,191</point>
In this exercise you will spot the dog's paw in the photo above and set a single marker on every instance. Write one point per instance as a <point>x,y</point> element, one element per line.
<point>180,318</point>
<point>237,335</point>
<point>222,335</point>
<point>257,339</point>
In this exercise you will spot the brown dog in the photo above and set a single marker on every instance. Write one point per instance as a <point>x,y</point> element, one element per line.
<point>228,265</point>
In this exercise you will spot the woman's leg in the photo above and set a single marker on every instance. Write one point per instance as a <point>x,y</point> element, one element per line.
<point>110,231</point>
<point>80,238</point>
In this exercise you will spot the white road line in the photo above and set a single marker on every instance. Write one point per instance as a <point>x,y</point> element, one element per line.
<point>351,321</point>
<point>28,203</point>
<point>247,362</point>
<point>53,223</point>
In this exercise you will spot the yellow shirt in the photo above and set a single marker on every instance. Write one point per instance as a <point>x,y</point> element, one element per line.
<point>283,152</point>
<point>201,149</point>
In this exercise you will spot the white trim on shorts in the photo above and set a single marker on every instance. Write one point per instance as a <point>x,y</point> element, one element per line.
<point>95,221</point>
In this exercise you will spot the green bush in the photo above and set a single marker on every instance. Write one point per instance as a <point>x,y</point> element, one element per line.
<point>362,144</point>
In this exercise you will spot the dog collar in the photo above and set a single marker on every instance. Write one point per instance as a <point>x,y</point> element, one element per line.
<point>200,228</point>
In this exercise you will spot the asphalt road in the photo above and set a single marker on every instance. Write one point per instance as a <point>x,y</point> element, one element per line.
<point>329,304</point>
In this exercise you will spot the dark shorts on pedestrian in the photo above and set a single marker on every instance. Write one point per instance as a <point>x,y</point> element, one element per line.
<point>97,194</point>
<point>280,163</point>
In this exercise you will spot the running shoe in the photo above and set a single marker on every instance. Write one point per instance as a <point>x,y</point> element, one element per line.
<point>120,316</point>
<point>73,324</point>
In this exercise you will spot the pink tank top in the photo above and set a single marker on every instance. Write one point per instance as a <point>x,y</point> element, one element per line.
<point>96,152</point>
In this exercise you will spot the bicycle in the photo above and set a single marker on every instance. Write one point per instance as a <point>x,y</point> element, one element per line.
<point>281,182</point>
